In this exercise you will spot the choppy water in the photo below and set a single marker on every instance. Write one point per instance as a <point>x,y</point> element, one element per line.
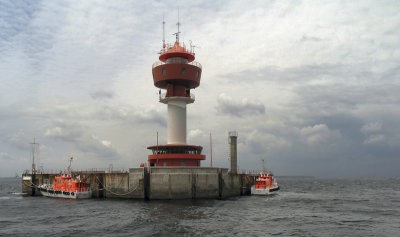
<point>303,207</point>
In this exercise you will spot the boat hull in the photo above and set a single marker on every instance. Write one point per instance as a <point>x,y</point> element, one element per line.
<point>263,191</point>
<point>61,194</point>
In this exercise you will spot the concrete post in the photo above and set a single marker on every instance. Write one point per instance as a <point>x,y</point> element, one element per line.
<point>233,148</point>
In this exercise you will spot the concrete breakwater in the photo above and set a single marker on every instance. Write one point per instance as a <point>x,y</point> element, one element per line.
<point>156,183</point>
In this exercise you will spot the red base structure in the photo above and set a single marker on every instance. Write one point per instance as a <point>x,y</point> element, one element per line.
<point>176,155</point>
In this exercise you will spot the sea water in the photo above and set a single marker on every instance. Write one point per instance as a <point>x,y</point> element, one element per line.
<point>302,207</point>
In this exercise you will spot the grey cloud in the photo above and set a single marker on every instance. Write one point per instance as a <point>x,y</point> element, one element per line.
<point>306,38</point>
<point>96,147</point>
<point>323,72</point>
<point>130,115</point>
<point>102,94</point>
<point>18,140</point>
<point>226,105</point>
<point>332,110</point>
<point>150,117</point>
<point>5,156</point>
<point>79,136</point>
<point>371,127</point>
<point>64,131</point>
<point>16,18</point>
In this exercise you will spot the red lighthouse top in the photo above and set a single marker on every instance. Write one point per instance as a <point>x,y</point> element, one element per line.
<point>176,51</point>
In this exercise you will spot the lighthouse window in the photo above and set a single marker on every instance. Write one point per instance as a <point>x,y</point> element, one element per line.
<point>182,163</point>
<point>183,70</point>
<point>164,71</point>
<point>197,74</point>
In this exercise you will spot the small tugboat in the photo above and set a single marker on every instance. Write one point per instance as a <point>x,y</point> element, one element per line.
<point>66,186</point>
<point>265,184</point>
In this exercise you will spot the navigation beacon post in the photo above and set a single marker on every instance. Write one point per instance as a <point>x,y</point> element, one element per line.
<point>177,73</point>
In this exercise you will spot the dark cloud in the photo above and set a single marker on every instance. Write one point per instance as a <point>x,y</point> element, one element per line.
<point>226,105</point>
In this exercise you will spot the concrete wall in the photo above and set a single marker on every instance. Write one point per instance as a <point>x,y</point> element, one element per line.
<point>30,186</point>
<point>170,183</point>
<point>231,185</point>
<point>116,185</point>
<point>193,183</point>
<point>160,183</point>
<point>138,182</point>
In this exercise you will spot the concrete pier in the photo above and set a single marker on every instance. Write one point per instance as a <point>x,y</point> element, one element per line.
<point>157,183</point>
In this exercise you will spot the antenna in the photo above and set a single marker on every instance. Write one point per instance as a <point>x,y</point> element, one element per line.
<point>70,163</point>
<point>34,152</point>
<point>163,33</point>
<point>211,148</point>
<point>262,159</point>
<point>177,33</point>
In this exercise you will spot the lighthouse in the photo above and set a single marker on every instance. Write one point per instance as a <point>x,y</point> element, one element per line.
<point>176,74</point>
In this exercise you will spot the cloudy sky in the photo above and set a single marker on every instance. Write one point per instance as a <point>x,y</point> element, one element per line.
<point>311,86</point>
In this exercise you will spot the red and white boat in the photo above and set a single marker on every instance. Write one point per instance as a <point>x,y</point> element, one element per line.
<point>66,186</point>
<point>265,184</point>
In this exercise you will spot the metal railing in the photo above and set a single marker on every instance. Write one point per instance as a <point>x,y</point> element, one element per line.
<point>163,96</point>
<point>92,170</point>
<point>177,60</point>
<point>251,172</point>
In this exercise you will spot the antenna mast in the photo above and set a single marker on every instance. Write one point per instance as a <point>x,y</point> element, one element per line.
<point>177,33</point>
<point>163,33</point>
<point>34,151</point>
<point>70,163</point>
<point>262,159</point>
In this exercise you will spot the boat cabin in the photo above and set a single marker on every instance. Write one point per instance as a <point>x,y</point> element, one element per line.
<point>264,181</point>
<point>67,183</point>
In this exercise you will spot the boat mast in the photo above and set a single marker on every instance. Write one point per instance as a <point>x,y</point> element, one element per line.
<point>70,163</point>
<point>262,159</point>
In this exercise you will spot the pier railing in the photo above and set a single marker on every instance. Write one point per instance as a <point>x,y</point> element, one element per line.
<point>252,172</point>
<point>81,171</point>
